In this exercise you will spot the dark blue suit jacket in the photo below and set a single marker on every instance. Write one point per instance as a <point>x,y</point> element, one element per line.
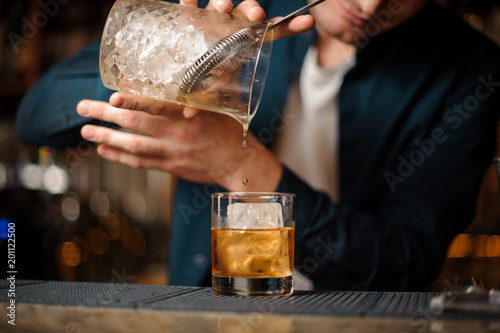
<point>418,114</point>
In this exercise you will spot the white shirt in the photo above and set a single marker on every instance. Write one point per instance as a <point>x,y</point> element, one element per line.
<point>308,143</point>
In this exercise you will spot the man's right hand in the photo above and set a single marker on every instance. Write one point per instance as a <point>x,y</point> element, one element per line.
<point>254,12</point>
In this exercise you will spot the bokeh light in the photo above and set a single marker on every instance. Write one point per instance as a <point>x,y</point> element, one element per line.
<point>492,247</point>
<point>3,176</point>
<point>70,206</point>
<point>478,246</point>
<point>55,179</point>
<point>134,241</point>
<point>461,246</point>
<point>83,246</point>
<point>134,205</point>
<point>30,176</point>
<point>99,203</point>
<point>70,254</point>
<point>97,240</point>
<point>111,225</point>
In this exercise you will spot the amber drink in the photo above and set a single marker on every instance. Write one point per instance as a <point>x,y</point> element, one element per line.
<point>252,244</point>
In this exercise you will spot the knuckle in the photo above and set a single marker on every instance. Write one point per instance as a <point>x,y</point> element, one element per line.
<point>101,136</point>
<point>132,103</point>
<point>129,119</point>
<point>125,100</point>
<point>113,156</point>
<point>177,169</point>
<point>136,163</point>
<point>158,108</point>
<point>134,146</point>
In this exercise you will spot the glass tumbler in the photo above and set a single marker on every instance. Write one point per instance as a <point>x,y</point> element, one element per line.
<point>253,238</point>
<point>147,47</point>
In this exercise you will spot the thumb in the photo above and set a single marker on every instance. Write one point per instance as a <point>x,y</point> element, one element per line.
<point>190,112</point>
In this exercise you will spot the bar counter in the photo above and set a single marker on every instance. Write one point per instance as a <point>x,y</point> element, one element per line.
<point>52,306</point>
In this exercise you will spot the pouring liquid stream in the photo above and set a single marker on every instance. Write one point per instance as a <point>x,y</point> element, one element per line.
<point>245,129</point>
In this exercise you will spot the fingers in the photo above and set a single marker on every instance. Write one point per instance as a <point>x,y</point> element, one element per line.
<point>190,112</point>
<point>222,6</point>
<point>133,160</point>
<point>132,143</point>
<point>150,105</point>
<point>97,110</point>
<point>297,25</point>
<point>250,9</point>
<point>192,3</point>
<point>134,120</point>
<point>254,12</point>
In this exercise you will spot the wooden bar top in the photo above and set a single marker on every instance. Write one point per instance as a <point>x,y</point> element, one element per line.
<point>50,306</point>
<point>33,318</point>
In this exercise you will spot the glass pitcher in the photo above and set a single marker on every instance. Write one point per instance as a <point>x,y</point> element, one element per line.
<point>148,46</point>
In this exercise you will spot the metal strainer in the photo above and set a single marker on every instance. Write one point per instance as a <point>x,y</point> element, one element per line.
<point>227,55</point>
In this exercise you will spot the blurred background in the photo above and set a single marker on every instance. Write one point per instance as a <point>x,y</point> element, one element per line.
<point>80,218</point>
<point>77,216</point>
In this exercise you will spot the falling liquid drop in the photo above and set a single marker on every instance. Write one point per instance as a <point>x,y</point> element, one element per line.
<point>245,181</point>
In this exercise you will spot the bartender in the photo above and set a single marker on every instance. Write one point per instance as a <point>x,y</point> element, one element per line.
<point>388,112</point>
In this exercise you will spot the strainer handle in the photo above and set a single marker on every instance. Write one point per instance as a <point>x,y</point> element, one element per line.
<point>293,14</point>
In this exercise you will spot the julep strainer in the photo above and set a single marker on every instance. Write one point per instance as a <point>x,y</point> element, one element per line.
<point>227,55</point>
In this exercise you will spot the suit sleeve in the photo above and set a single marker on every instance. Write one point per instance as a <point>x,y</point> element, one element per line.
<point>47,114</point>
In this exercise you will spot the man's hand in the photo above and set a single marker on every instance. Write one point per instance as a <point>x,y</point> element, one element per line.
<point>254,12</point>
<point>196,145</point>
<point>206,148</point>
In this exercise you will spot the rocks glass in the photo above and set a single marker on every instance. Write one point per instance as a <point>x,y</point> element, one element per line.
<point>147,46</point>
<point>253,238</point>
